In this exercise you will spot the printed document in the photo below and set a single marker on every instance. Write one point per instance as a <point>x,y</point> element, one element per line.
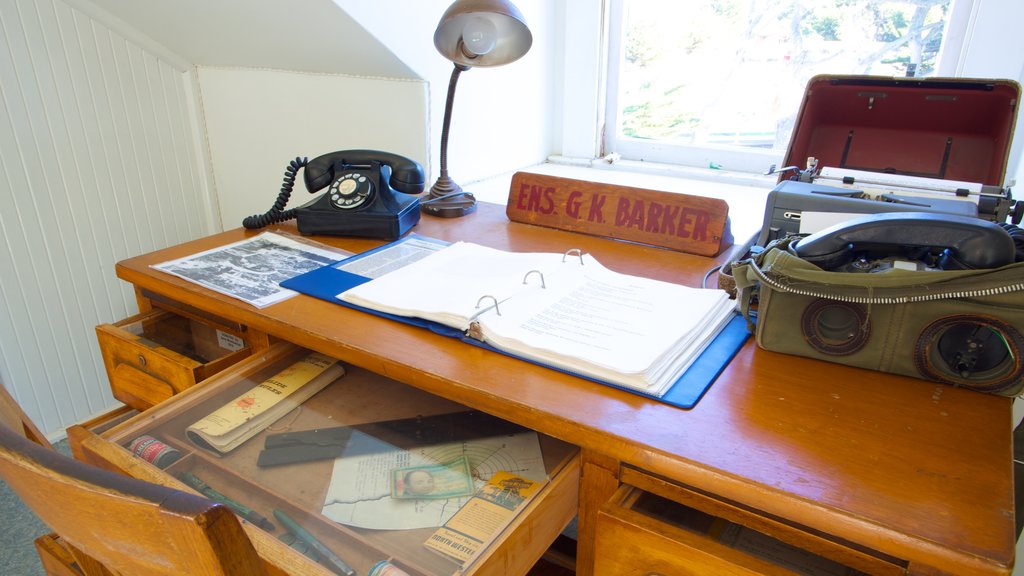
<point>566,311</point>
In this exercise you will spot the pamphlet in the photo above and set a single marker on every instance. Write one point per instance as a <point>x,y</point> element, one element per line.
<point>488,512</point>
<point>245,416</point>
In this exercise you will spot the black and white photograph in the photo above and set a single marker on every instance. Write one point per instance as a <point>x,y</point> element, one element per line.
<point>252,270</point>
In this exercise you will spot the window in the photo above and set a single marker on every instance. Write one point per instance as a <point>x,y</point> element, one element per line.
<point>718,83</point>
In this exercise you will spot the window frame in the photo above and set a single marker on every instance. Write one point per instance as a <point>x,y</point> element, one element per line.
<point>728,157</point>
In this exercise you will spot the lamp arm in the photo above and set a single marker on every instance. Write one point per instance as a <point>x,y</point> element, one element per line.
<point>446,198</point>
<point>448,105</point>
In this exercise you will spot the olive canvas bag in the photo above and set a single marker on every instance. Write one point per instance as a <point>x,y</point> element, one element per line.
<point>957,327</point>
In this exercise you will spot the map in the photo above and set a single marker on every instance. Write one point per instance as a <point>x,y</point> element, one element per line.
<point>360,493</point>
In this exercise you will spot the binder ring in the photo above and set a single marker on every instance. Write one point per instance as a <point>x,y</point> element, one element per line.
<point>575,251</point>
<point>485,296</point>
<point>538,273</point>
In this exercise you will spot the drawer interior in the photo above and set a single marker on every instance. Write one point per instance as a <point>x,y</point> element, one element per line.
<point>747,533</point>
<point>368,404</point>
<point>157,354</point>
<point>196,340</point>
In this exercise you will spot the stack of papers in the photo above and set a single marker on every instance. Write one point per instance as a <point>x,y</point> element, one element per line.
<point>565,311</point>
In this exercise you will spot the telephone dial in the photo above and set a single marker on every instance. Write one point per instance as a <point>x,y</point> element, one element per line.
<point>360,199</point>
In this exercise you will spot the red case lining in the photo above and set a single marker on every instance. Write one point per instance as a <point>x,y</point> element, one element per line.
<point>939,128</point>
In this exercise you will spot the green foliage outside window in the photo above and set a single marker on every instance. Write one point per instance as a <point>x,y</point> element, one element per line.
<point>733,71</point>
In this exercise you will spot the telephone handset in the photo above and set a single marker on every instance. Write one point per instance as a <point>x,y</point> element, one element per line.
<point>938,241</point>
<point>360,199</point>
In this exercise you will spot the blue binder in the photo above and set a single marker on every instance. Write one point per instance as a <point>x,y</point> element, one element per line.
<point>329,281</point>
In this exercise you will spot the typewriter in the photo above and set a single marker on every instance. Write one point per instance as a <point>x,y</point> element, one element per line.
<point>877,144</point>
<point>828,195</point>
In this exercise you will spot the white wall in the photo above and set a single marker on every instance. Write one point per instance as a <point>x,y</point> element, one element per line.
<point>995,49</point>
<point>504,117</point>
<point>278,80</point>
<point>581,103</point>
<point>257,121</point>
<point>99,161</point>
<point>302,35</point>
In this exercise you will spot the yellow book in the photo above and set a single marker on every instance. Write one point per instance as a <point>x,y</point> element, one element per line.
<point>245,416</point>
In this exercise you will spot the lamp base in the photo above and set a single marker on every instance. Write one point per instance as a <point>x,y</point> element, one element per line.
<point>447,200</point>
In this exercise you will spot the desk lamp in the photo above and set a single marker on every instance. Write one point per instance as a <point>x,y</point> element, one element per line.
<point>472,33</point>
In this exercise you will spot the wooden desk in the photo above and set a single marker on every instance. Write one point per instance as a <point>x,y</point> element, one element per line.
<point>852,464</point>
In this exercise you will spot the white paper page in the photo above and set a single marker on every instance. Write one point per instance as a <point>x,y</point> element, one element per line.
<point>394,257</point>
<point>663,373</point>
<point>360,490</point>
<point>902,182</point>
<point>613,321</point>
<point>674,365</point>
<point>447,285</point>
<point>811,222</point>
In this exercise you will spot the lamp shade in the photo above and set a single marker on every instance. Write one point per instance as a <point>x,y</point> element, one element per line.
<point>482,33</point>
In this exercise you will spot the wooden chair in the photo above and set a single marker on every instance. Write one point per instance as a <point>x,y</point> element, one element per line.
<point>12,416</point>
<point>116,525</point>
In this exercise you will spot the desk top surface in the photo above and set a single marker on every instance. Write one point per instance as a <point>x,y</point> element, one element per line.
<point>872,457</point>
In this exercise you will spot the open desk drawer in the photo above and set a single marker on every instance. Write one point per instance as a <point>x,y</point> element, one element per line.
<point>385,429</point>
<point>155,355</point>
<point>651,526</point>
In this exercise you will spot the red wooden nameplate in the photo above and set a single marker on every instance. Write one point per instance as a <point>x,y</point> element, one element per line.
<point>692,224</point>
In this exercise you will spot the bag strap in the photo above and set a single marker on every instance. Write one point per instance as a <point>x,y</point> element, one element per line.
<point>747,275</point>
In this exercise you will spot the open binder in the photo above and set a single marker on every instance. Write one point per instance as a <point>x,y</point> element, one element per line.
<point>329,281</point>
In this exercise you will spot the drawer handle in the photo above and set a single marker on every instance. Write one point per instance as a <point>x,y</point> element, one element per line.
<point>142,360</point>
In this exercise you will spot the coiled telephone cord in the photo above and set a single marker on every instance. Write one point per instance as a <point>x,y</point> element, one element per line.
<point>277,213</point>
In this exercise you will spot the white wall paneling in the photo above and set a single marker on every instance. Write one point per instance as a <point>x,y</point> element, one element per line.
<point>504,117</point>
<point>98,162</point>
<point>257,121</point>
<point>301,35</point>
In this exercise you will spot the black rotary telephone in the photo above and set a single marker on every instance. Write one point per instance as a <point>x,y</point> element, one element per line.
<point>361,197</point>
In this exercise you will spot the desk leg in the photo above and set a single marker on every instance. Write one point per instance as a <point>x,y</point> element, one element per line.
<point>260,341</point>
<point>142,301</point>
<point>599,479</point>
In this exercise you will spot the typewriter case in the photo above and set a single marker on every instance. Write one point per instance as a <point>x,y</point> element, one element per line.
<point>941,128</point>
<point>959,327</point>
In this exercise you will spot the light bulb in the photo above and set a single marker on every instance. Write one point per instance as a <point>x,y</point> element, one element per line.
<point>479,36</point>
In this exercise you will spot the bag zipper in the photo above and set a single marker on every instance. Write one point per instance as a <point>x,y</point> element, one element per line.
<point>1019,286</point>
